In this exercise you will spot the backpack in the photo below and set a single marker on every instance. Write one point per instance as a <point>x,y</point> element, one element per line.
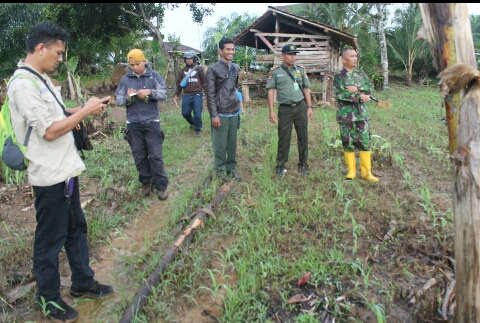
<point>13,154</point>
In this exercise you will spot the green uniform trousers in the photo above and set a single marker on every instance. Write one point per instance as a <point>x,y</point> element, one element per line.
<point>224,142</point>
<point>297,116</point>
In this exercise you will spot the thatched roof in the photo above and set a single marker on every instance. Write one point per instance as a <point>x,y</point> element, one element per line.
<point>291,24</point>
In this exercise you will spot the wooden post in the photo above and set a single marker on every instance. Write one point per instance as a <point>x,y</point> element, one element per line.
<point>324,87</point>
<point>448,31</point>
<point>246,92</point>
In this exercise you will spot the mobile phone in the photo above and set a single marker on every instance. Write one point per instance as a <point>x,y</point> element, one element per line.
<point>106,102</point>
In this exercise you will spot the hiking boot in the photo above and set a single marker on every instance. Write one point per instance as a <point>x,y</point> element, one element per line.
<point>147,188</point>
<point>303,170</point>
<point>234,176</point>
<point>96,291</point>
<point>281,171</point>
<point>66,314</point>
<point>162,195</point>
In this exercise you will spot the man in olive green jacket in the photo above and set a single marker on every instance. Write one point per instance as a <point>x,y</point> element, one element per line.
<point>293,94</point>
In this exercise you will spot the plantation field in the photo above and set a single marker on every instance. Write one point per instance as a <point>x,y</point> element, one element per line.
<point>369,247</point>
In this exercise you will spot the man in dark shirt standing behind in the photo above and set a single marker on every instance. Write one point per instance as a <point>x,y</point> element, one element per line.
<point>223,105</point>
<point>192,92</point>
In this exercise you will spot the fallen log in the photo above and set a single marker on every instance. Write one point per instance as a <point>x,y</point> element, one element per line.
<point>197,199</point>
<point>182,241</point>
<point>422,290</point>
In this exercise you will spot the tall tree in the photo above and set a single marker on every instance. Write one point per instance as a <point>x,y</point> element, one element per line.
<point>99,21</point>
<point>448,31</point>
<point>151,16</point>
<point>378,13</point>
<point>334,14</point>
<point>342,17</point>
<point>104,21</point>
<point>475,21</point>
<point>226,27</point>
<point>401,38</point>
<point>16,20</point>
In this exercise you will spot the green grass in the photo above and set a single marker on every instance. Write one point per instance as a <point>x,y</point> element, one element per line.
<point>268,232</point>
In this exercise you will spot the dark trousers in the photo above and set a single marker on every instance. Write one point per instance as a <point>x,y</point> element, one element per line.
<point>224,142</point>
<point>60,223</point>
<point>193,102</point>
<point>288,116</point>
<point>146,143</point>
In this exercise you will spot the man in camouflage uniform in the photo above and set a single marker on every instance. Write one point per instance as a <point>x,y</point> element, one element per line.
<point>293,95</point>
<point>352,88</point>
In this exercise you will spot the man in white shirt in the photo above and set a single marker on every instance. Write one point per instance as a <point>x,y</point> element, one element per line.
<point>53,169</point>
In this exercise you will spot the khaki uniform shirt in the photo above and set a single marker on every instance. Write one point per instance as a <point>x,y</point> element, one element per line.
<point>50,162</point>
<point>289,91</point>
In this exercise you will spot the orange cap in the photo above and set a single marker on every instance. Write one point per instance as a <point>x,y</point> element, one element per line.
<point>135,55</point>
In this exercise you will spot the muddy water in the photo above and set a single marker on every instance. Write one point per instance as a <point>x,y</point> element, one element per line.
<point>110,269</point>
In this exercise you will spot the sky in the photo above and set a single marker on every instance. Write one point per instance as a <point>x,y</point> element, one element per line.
<point>179,21</point>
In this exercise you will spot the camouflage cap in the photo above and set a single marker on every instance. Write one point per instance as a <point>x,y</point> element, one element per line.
<point>289,49</point>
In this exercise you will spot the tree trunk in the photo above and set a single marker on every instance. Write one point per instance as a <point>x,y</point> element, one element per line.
<point>71,87</point>
<point>175,70</point>
<point>408,77</point>
<point>448,31</point>
<point>383,46</point>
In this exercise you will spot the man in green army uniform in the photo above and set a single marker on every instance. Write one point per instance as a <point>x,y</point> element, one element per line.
<point>352,88</point>
<point>293,94</point>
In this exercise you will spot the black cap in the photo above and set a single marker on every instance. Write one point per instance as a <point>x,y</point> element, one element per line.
<point>289,49</point>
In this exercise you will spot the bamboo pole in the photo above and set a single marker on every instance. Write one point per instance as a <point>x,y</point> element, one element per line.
<point>448,31</point>
<point>182,241</point>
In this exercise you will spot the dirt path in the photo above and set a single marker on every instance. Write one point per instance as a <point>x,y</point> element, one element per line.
<point>106,260</point>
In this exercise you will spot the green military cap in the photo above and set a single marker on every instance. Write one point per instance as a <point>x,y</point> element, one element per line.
<point>289,49</point>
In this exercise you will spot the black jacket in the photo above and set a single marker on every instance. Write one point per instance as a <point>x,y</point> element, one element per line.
<point>224,99</point>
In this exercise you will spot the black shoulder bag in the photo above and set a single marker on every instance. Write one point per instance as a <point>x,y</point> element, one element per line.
<point>80,134</point>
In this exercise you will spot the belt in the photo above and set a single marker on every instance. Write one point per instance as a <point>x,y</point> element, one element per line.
<point>293,105</point>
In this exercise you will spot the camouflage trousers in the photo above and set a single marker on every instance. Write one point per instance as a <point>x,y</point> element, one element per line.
<point>355,135</point>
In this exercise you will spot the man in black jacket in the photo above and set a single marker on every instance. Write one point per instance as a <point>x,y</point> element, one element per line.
<point>139,90</point>
<point>223,106</point>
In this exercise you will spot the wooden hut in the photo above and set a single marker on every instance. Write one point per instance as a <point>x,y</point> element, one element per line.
<point>318,44</point>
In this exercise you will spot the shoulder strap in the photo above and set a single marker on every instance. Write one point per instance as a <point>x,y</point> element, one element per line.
<point>288,72</point>
<point>48,87</point>
<point>29,130</point>
<point>191,71</point>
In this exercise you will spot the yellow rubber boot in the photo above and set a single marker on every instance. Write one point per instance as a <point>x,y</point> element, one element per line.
<point>366,166</point>
<point>351,164</point>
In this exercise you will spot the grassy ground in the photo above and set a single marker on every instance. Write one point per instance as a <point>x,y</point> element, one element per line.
<point>369,247</point>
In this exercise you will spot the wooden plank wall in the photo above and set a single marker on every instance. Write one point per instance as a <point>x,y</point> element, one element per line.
<point>314,54</point>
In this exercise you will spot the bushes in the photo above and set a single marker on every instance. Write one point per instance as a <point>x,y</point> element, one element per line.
<point>377,80</point>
